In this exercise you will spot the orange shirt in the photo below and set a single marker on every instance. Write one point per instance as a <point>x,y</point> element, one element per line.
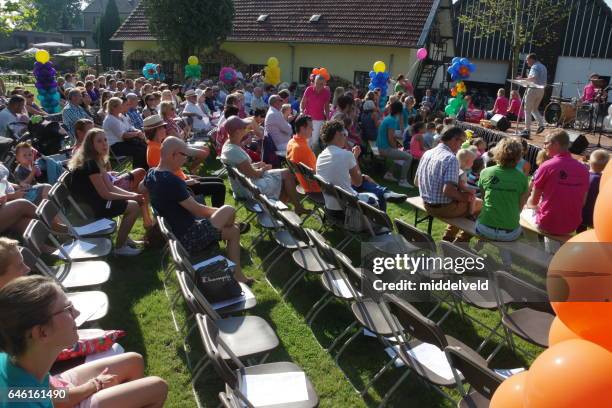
<point>154,156</point>
<point>298,151</point>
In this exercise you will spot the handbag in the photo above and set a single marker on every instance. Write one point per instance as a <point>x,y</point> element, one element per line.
<point>216,282</point>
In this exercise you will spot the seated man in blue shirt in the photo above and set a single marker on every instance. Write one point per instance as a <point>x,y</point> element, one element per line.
<point>195,225</point>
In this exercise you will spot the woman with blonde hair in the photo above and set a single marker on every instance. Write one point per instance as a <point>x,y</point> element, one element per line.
<point>123,138</point>
<point>91,185</point>
<point>37,322</point>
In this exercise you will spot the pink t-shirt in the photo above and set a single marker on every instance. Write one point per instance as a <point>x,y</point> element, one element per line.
<point>564,182</point>
<point>316,101</point>
<point>515,106</point>
<point>589,93</point>
<point>501,104</point>
<point>416,146</point>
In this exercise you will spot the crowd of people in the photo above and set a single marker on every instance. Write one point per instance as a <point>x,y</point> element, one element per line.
<point>252,128</point>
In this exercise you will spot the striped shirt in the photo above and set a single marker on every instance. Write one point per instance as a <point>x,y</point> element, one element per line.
<point>135,118</point>
<point>437,167</point>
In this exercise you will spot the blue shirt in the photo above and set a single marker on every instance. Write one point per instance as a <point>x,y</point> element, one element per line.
<point>135,118</point>
<point>167,191</point>
<point>12,376</point>
<point>389,122</point>
<point>539,71</point>
<point>71,114</point>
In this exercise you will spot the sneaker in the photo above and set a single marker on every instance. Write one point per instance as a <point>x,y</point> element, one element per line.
<point>389,177</point>
<point>127,251</point>
<point>525,134</point>
<point>134,244</point>
<point>540,130</point>
<point>393,197</point>
<point>244,227</point>
<point>405,184</point>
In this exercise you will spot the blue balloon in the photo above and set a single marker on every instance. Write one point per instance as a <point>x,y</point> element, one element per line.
<point>372,74</point>
<point>464,61</point>
<point>455,60</point>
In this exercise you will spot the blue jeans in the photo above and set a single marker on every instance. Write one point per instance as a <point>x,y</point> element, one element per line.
<point>378,191</point>
<point>496,234</point>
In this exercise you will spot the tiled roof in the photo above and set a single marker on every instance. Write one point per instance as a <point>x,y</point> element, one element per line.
<point>360,22</point>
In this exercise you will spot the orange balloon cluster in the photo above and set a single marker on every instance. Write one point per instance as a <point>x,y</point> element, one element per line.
<point>576,369</point>
<point>321,71</point>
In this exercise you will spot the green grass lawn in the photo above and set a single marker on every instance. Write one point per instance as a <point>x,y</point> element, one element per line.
<point>138,304</point>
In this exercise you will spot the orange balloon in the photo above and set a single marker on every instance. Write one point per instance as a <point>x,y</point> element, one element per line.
<point>601,218</point>
<point>580,273</point>
<point>606,175</point>
<point>560,332</point>
<point>571,374</point>
<point>511,393</point>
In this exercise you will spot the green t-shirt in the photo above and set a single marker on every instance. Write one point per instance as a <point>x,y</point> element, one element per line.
<point>14,377</point>
<point>502,189</point>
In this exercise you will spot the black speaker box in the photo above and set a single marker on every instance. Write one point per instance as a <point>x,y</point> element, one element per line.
<point>578,142</point>
<point>500,122</point>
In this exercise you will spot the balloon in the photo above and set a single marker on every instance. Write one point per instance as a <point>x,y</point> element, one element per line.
<point>272,62</point>
<point>560,332</point>
<point>570,374</point>
<point>379,66</point>
<point>606,175</point>
<point>421,54</point>
<point>601,217</point>
<point>580,272</point>
<point>42,56</point>
<point>228,75</point>
<point>193,60</point>
<point>510,393</point>
<point>455,60</point>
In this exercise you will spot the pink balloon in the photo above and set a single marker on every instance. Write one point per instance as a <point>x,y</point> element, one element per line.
<point>421,54</point>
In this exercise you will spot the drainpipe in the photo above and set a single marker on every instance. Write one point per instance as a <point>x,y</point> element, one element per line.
<point>292,62</point>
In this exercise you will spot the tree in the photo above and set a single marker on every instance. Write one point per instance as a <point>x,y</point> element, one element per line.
<point>185,27</point>
<point>109,23</point>
<point>54,15</point>
<point>17,15</point>
<point>518,22</point>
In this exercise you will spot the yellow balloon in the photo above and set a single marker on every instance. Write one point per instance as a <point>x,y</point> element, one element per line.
<point>42,56</point>
<point>379,66</point>
<point>272,62</point>
<point>193,60</point>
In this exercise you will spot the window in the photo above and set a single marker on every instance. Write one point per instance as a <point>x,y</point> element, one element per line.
<point>78,42</point>
<point>255,68</point>
<point>305,74</point>
<point>361,79</point>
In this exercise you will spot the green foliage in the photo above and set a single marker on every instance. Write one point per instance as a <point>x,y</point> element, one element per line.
<point>109,23</point>
<point>185,27</point>
<point>17,15</point>
<point>518,22</point>
<point>56,15</point>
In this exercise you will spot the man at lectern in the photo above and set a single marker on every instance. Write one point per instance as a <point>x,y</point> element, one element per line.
<point>538,76</point>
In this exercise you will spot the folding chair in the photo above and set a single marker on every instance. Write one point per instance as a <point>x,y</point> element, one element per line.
<point>309,175</point>
<point>37,234</point>
<point>236,379</point>
<point>531,315</point>
<point>415,236</point>
<point>47,212</point>
<point>62,198</point>
<point>181,259</point>
<point>330,220</point>
<point>381,231</point>
<point>333,280</point>
<point>482,380</point>
<point>249,203</point>
<point>92,305</point>
<point>423,333</point>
